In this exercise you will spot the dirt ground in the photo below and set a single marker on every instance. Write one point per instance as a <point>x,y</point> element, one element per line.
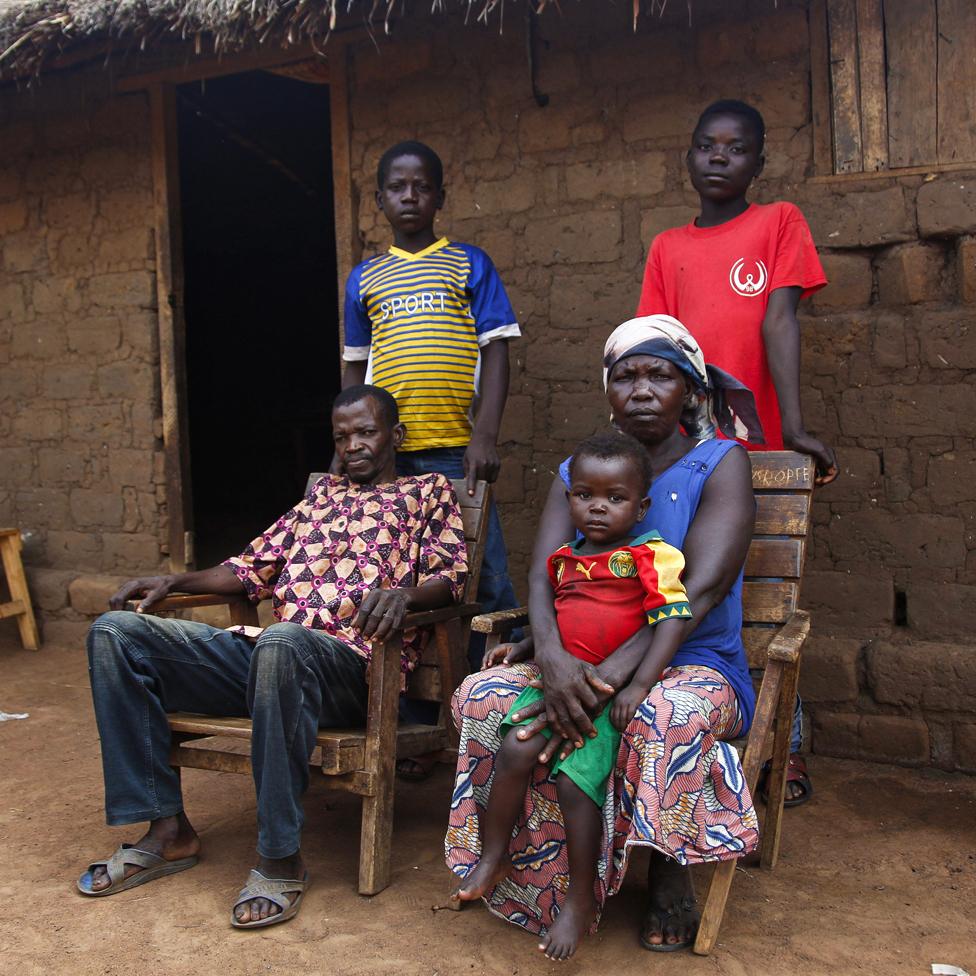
<point>877,874</point>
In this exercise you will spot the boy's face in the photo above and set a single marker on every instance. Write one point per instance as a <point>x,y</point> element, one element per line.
<point>724,158</point>
<point>410,198</point>
<point>606,499</point>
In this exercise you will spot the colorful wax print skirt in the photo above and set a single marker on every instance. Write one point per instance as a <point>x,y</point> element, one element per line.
<point>677,788</point>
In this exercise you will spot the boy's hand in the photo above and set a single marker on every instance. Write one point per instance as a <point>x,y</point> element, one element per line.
<point>822,455</point>
<point>625,705</point>
<point>481,461</point>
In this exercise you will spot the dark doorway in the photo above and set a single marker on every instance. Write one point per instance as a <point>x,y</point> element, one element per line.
<point>262,335</point>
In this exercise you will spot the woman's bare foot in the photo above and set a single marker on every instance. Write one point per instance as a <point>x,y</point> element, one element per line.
<point>172,838</point>
<point>573,922</point>
<point>672,917</point>
<point>488,873</point>
<point>273,868</point>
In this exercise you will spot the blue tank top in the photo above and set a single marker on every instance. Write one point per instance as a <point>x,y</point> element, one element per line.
<point>717,640</point>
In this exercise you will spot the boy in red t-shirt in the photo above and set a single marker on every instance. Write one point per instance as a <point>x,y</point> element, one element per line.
<point>735,275</point>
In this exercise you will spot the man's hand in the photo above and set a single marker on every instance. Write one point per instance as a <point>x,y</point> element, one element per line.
<point>507,654</point>
<point>382,613</point>
<point>481,461</point>
<point>823,456</point>
<point>152,589</point>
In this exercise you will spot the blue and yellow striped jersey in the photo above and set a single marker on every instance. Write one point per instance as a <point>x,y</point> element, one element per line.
<point>420,320</point>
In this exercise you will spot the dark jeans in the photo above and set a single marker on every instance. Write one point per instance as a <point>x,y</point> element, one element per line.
<point>495,591</point>
<point>291,682</point>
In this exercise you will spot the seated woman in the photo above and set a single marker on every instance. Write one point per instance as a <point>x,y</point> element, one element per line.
<point>678,787</point>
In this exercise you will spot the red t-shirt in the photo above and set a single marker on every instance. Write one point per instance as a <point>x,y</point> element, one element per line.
<point>604,598</point>
<point>717,282</point>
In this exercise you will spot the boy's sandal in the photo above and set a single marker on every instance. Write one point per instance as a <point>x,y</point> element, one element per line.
<point>153,866</point>
<point>796,772</point>
<point>274,890</point>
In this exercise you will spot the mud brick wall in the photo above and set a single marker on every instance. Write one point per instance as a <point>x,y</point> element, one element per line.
<point>566,200</point>
<point>80,468</point>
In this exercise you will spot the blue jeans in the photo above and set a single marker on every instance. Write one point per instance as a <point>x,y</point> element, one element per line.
<point>495,590</point>
<point>291,681</point>
<point>796,733</point>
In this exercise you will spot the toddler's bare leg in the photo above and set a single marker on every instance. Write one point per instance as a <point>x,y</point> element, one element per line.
<point>581,817</point>
<point>514,763</point>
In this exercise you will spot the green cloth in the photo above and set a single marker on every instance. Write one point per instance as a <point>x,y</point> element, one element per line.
<point>590,766</point>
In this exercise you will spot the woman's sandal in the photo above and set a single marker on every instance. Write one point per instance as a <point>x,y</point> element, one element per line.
<point>153,866</point>
<point>274,890</point>
<point>662,914</point>
<point>796,772</point>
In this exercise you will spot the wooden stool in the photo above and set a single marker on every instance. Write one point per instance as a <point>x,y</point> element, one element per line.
<point>20,605</point>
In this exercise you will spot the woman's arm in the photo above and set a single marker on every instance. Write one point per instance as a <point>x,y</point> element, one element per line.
<point>715,548</point>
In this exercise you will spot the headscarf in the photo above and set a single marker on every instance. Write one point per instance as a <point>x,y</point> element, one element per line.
<point>722,401</point>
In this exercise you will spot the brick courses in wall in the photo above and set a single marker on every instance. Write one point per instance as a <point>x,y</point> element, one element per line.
<point>78,364</point>
<point>566,200</point>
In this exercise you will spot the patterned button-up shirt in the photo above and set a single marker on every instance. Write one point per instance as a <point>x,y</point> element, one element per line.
<point>319,560</point>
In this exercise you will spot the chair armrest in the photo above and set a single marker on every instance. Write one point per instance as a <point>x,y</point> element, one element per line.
<point>186,601</point>
<point>786,645</point>
<point>424,618</point>
<point>500,621</point>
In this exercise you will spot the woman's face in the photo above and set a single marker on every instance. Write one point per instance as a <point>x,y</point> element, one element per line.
<point>647,396</point>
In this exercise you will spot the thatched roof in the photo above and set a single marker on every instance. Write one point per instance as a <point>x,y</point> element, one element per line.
<point>34,33</point>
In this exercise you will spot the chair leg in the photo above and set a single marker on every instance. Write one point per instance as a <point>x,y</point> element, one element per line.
<point>13,568</point>
<point>779,763</point>
<point>711,920</point>
<point>381,721</point>
<point>376,840</point>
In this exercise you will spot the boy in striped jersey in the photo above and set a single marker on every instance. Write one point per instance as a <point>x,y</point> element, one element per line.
<point>430,321</point>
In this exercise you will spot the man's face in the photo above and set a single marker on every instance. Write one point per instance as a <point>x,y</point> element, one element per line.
<point>365,442</point>
<point>410,198</point>
<point>724,157</point>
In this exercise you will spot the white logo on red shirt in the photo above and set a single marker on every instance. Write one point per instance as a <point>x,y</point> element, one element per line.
<point>753,282</point>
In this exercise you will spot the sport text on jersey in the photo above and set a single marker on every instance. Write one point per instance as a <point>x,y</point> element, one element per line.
<point>425,301</point>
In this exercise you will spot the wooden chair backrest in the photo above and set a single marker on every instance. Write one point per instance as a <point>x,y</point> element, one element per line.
<point>783,484</point>
<point>424,683</point>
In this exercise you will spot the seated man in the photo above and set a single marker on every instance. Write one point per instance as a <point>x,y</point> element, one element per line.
<point>343,567</point>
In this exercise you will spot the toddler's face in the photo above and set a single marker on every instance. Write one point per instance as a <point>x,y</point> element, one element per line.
<point>606,498</point>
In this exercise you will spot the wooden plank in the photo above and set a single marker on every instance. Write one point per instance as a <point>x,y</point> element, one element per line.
<point>15,608</point>
<point>823,154</point>
<point>956,81</point>
<point>772,603</point>
<point>171,324</point>
<point>874,94</point>
<point>197,67</point>
<point>345,199</point>
<point>782,514</point>
<point>781,471</point>
<point>775,557</point>
<point>910,32</point>
<point>845,104</point>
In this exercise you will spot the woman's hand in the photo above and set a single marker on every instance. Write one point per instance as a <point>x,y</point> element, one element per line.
<point>625,705</point>
<point>509,653</point>
<point>572,690</point>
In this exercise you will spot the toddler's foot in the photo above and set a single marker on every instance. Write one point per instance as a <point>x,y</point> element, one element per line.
<point>482,879</point>
<point>574,920</point>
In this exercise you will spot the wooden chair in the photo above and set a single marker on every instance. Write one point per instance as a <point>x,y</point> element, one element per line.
<point>362,761</point>
<point>773,633</point>
<point>19,605</point>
